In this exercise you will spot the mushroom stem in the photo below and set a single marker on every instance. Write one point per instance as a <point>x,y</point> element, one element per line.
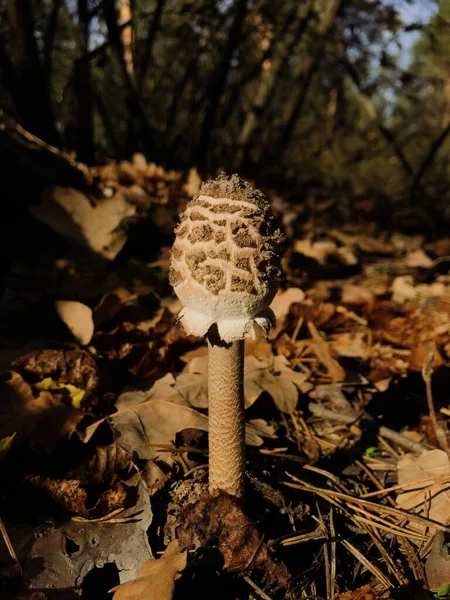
<point>226,416</point>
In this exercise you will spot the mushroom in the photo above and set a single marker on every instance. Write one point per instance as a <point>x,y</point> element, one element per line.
<point>225,269</point>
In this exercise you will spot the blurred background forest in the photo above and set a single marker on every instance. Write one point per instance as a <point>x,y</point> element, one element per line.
<point>347,97</point>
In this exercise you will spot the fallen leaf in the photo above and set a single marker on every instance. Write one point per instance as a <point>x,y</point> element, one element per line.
<point>157,577</point>
<point>271,374</point>
<point>437,565</point>
<point>69,552</point>
<point>350,343</point>
<point>71,496</point>
<point>353,294</point>
<point>334,369</point>
<point>44,419</point>
<point>75,367</point>
<point>78,319</point>
<point>418,258</point>
<point>428,498</point>
<point>319,251</point>
<point>363,593</point>
<point>5,445</point>
<point>103,465</point>
<point>403,289</point>
<point>283,301</point>
<point>110,304</point>
<point>221,518</point>
<point>69,212</point>
<point>76,395</point>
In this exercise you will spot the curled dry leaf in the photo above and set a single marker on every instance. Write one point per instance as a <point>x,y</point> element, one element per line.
<point>71,214</point>
<point>67,552</point>
<point>75,367</point>
<point>282,302</point>
<point>78,319</point>
<point>363,593</point>
<point>105,463</point>
<point>75,394</point>
<point>221,519</point>
<point>110,304</point>
<point>70,495</point>
<point>44,419</point>
<point>157,577</point>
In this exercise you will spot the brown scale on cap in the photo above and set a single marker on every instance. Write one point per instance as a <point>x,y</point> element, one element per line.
<point>225,236</point>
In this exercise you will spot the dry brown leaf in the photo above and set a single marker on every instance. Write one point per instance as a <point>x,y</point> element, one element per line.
<point>78,319</point>
<point>193,387</point>
<point>334,369</point>
<point>403,289</point>
<point>110,304</point>
<point>353,294</point>
<point>76,367</point>
<point>418,258</point>
<point>350,344</point>
<point>157,577</point>
<point>70,213</point>
<point>220,518</point>
<point>68,552</point>
<point>271,374</point>
<point>44,419</point>
<point>70,495</point>
<point>363,593</point>
<point>283,301</point>
<point>319,251</point>
<point>437,565</point>
<point>427,498</point>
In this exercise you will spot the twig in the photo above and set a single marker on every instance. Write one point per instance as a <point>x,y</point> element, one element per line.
<point>8,544</point>
<point>257,589</point>
<point>332,589</point>
<point>350,501</point>
<point>372,568</point>
<point>427,372</point>
<point>420,483</point>
<point>373,479</point>
<point>320,411</point>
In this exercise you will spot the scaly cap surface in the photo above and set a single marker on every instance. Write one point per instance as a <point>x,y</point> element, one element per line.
<point>225,262</point>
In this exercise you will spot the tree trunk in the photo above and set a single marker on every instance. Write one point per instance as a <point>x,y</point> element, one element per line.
<point>32,94</point>
<point>310,66</point>
<point>127,36</point>
<point>136,110</point>
<point>269,78</point>
<point>151,36</point>
<point>219,82</point>
<point>83,86</point>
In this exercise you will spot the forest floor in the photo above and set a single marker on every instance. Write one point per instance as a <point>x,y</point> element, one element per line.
<point>103,442</point>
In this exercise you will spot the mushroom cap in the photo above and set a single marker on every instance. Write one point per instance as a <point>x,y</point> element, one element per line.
<point>225,262</point>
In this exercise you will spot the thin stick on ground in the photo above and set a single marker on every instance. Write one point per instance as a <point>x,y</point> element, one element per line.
<point>427,372</point>
<point>8,544</point>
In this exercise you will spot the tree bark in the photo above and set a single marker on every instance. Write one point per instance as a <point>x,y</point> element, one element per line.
<point>269,79</point>
<point>127,36</point>
<point>32,93</point>
<point>310,66</point>
<point>83,85</point>
<point>136,110</point>
<point>151,37</point>
<point>219,82</point>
